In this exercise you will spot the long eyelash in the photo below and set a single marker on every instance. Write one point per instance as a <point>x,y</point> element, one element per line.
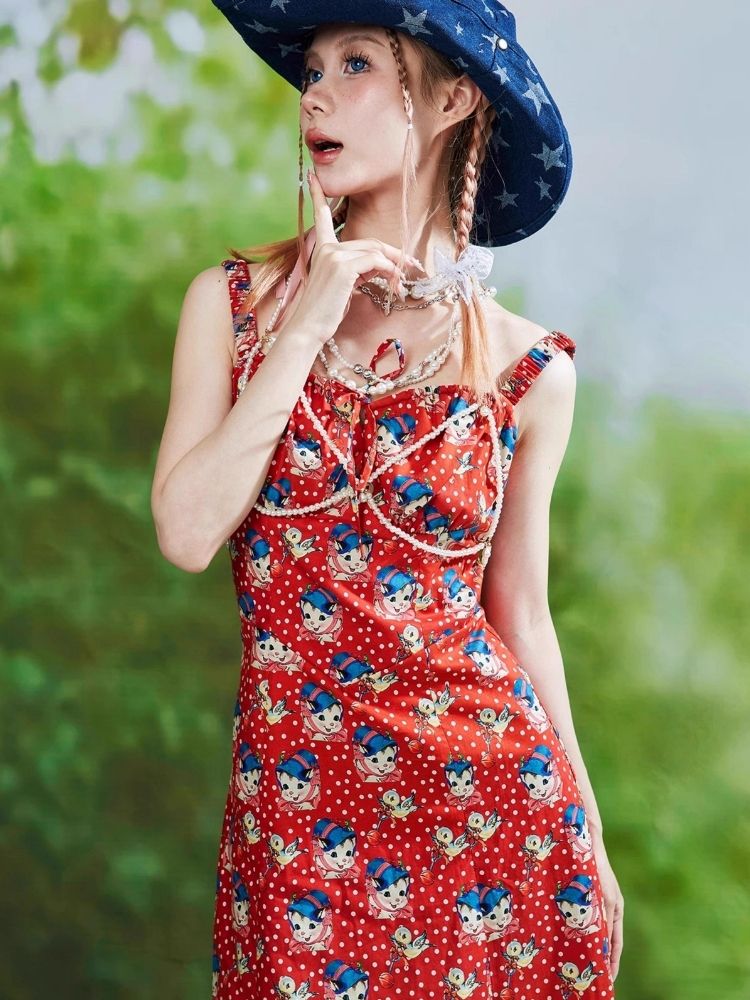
<point>347,58</point>
<point>356,55</point>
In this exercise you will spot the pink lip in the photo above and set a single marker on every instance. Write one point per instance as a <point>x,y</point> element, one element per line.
<point>323,156</point>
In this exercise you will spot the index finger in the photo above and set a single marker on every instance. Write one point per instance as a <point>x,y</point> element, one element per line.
<point>324,231</point>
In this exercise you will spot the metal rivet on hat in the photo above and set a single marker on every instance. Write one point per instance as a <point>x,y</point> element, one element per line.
<point>502,43</point>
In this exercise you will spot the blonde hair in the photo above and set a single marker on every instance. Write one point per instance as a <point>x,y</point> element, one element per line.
<point>467,152</point>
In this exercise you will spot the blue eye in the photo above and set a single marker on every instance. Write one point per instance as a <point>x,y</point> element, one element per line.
<point>356,57</point>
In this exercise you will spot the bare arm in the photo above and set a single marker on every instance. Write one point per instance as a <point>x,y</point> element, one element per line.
<point>514,591</point>
<point>213,457</point>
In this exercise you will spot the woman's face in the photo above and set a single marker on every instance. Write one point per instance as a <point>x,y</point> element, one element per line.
<point>353,95</point>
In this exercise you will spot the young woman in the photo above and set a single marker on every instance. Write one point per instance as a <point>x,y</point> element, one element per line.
<point>404,817</point>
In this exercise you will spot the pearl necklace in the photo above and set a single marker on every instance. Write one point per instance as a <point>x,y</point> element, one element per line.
<point>453,280</point>
<point>377,384</point>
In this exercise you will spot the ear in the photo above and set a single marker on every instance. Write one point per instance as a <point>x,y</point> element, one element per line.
<point>460,98</point>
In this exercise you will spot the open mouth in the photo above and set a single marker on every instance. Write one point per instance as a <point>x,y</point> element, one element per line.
<point>324,145</point>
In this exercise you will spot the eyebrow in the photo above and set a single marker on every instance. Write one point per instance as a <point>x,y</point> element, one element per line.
<point>347,39</point>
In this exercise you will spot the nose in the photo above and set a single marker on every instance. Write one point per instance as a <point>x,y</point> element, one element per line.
<point>313,99</point>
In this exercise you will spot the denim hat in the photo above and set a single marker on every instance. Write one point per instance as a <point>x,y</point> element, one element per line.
<point>526,172</point>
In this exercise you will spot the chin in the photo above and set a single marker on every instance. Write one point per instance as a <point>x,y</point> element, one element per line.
<point>337,185</point>
<point>334,190</point>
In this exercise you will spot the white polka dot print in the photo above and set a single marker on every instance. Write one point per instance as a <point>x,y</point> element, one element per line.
<point>402,820</point>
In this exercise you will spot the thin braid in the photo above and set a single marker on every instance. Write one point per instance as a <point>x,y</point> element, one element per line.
<point>474,329</point>
<point>402,78</point>
<point>408,162</point>
<point>472,170</point>
<point>301,189</point>
<point>301,197</point>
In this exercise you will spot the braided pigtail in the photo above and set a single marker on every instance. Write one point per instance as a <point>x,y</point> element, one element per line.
<point>476,363</point>
<point>408,159</point>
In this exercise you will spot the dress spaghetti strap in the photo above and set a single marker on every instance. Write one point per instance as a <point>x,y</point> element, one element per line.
<point>245,328</point>
<point>534,361</point>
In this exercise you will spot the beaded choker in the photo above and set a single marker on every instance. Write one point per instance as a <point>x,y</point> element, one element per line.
<point>451,280</point>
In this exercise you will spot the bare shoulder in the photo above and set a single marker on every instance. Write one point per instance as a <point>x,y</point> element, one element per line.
<point>205,308</point>
<point>510,336</point>
<point>553,392</point>
<point>207,294</point>
<point>211,282</point>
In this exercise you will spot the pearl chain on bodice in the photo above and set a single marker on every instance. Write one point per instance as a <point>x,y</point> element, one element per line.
<point>364,494</point>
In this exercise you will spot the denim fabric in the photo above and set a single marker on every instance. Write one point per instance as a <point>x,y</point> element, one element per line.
<point>527,171</point>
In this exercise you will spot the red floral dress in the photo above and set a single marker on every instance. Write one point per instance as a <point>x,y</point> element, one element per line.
<point>402,819</point>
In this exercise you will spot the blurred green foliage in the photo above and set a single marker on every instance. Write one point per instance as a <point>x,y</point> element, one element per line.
<point>119,670</point>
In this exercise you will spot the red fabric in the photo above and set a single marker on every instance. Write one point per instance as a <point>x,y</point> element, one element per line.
<point>401,812</point>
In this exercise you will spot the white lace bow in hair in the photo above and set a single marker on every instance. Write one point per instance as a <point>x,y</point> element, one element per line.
<point>474,260</point>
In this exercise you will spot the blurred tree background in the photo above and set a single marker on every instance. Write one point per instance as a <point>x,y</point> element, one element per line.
<point>119,670</point>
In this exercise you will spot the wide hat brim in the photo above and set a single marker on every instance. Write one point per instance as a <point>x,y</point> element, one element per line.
<point>527,169</point>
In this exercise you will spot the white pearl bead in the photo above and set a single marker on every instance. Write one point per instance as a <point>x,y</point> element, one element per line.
<point>428,366</point>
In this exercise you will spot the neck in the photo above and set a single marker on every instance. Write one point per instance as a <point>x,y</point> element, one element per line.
<point>433,233</point>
